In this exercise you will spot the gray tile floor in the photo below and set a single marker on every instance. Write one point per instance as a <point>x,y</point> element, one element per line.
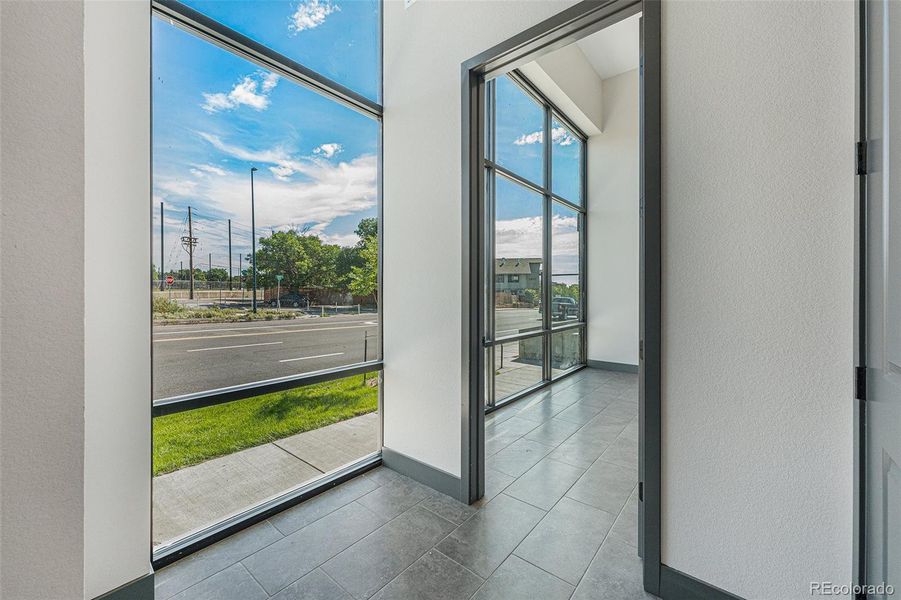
<point>559,519</point>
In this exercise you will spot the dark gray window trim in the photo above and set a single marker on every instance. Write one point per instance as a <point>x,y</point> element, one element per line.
<point>549,200</point>
<point>568,26</point>
<point>206,28</point>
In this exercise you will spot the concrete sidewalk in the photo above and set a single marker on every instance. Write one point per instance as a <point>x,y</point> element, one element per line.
<point>195,497</point>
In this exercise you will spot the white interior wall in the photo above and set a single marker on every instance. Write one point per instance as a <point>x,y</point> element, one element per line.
<point>41,300</point>
<point>758,225</point>
<point>117,317</point>
<point>613,221</point>
<point>74,364</point>
<point>425,45</point>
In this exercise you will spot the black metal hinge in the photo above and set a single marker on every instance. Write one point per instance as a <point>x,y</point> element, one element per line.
<point>641,491</point>
<point>860,383</point>
<point>861,158</point>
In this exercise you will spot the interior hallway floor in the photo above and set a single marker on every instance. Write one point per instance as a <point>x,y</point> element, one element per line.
<point>559,519</point>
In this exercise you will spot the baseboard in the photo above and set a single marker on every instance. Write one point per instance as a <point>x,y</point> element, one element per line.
<point>431,476</point>
<point>139,589</point>
<point>612,366</point>
<point>676,585</point>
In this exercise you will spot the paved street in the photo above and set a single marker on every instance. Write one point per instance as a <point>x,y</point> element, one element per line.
<point>206,356</point>
<point>195,358</point>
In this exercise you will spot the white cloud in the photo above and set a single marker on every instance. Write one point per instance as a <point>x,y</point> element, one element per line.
<point>559,135</point>
<point>243,93</point>
<point>326,191</point>
<point>270,80</point>
<point>177,187</point>
<point>311,14</point>
<point>522,238</point>
<point>328,150</point>
<point>207,169</point>
<point>340,239</point>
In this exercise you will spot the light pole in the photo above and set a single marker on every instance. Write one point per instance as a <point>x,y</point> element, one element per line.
<point>253,240</point>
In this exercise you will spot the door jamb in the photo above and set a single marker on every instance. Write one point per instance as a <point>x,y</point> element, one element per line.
<point>561,30</point>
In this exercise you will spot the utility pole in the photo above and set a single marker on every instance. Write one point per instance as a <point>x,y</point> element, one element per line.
<point>162,246</point>
<point>253,240</point>
<point>229,255</point>
<point>241,274</point>
<point>188,242</point>
<point>209,273</point>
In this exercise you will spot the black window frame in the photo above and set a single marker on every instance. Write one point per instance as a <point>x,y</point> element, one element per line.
<point>493,170</point>
<point>210,30</point>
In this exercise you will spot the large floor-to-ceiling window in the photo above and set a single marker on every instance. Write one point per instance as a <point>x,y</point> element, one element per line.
<point>535,225</point>
<point>266,276</point>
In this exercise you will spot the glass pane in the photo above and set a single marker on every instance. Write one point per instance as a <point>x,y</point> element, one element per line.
<point>565,299</point>
<point>517,366</point>
<point>315,205</point>
<point>566,350</point>
<point>241,155</point>
<point>565,241</point>
<point>518,231</point>
<point>339,39</point>
<point>519,131</point>
<point>214,462</point>
<point>566,167</point>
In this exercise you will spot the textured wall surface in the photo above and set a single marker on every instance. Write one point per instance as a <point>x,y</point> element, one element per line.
<point>424,48</point>
<point>42,355</point>
<point>758,227</point>
<point>117,318</point>
<point>613,226</point>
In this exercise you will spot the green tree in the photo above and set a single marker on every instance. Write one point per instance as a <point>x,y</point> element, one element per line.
<point>217,274</point>
<point>367,228</point>
<point>282,253</point>
<point>364,279</point>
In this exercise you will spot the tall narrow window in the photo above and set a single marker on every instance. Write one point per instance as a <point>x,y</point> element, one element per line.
<point>265,278</point>
<point>535,209</point>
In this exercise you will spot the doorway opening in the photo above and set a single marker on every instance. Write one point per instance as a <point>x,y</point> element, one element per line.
<point>549,248</point>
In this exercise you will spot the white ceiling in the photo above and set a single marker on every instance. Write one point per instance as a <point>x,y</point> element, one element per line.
<point>613,50</point>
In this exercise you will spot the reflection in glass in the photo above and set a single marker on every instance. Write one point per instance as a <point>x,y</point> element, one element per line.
<point>337,39</point>
<point>519,131</point>
<point>566,167</point>
<point>517,366</point>
<point>518,234</point>
<point>566,350</point>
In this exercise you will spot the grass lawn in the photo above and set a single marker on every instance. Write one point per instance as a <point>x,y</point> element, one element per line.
<point>191,437</point>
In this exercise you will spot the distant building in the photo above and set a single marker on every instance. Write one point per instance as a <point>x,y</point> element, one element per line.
<point>516,274</point>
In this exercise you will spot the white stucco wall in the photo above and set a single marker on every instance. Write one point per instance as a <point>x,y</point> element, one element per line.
<point>758,223</point>
<point>613,222</point>
<point>424,48</point>
<point>41,300</point>
<point>75,359</point>
<point>117,317</point>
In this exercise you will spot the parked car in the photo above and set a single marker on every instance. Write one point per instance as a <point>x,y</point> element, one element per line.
<point>291,299</point>
<point>563,307</point>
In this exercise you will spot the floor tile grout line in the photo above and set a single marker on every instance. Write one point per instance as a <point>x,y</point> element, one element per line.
<point>257,581</point>
<point>435,548</point>
<point>332,579</point>
<point>319,565</point>
<point>557,577</point>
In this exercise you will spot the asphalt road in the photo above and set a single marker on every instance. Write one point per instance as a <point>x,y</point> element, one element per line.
<point>202,357</point>
<point>196,358</point>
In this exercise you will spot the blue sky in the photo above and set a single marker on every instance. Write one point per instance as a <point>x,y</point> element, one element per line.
<point>215,115</point>
<point>520,147</point>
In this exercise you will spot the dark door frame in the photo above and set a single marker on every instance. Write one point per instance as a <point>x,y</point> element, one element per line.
<point>572,24</point>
